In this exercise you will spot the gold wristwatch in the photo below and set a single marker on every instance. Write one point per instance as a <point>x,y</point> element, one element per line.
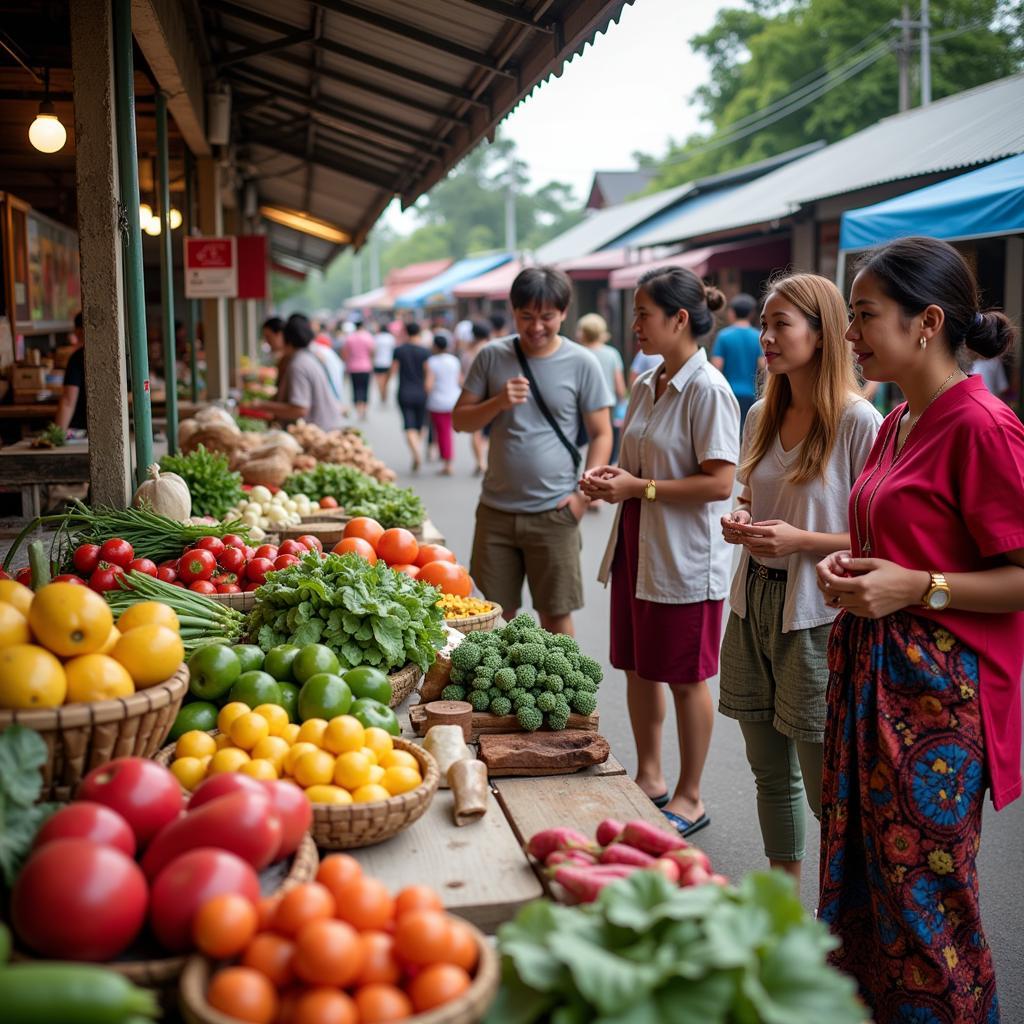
<point>650,491</point>
<point>938,594</point>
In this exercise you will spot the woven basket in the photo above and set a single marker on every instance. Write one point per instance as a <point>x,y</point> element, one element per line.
<point>403,682</point>
<point>80,737</point>
<point>347,826</point>
<point>325,514</point>
<point>469,1008</point>
<point>328,533</point>
<point>486,622</point>
<point>241,602</point>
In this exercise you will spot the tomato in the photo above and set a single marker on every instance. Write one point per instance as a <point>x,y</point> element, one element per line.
<point>246,824</point>
<point>117,552</point>
<point>214,544</point>
<point>311,543</point>
<point>464,951</point>
<point>225,925</point>
<point>232,540</point>
<point>417,897</point>
<point>294,810</point>
<point>228,588</point>
<point>448,578</point>
<point>86,820</point>
<point>166,574</point>
<point>243,994</point>
<point>271,955</point>
<point>202,587</point>
<point>86,558</point>
<point>409,570</point>
<point>223,785</point>
<point>437,985</point>
<point>256,571</point>
<point>78,900</point>
<point>379,1003</point>
<point>434,553</point>
<point>146,565</point>
<point>24,577</point>
<point>357,546</point>
<point>232,559</point>
<point>267,551</point>
<point>328,952</point>
<point>398,547</point>
<point>328,502</point>
<point>105,577</point>
<point>322,1005</point>
<point>69,578</point>
<point>423,937</point>
<point>283,561</point>
<point>301,905</point>
<point>250,586</point>
<point>366,529</point>
<point>365,903</point>
<point>337,870</point>
<point>379,963</point>
<point>196,564</point>
<point>187,883</point>
<point>143,792</point>
<point>292,547</point>
<point>250,553</point>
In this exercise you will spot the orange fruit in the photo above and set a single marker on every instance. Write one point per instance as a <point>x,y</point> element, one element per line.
<point>31,677</point>
<point>423,937</point>
<point>94,677</point>
<point>379,963</point>
<point>417,897</point>
<point>307,902</point>
<point>328,952</point>
<point>378,1004</point>
<point>69,619</point>
<point>323,1005</point>
<point>225,925</point>
<point>271,955</point>
<point>436,985</point>
<point>244,994</point>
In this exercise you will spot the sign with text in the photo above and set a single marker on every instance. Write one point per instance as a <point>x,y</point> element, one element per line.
<point>211,268</point>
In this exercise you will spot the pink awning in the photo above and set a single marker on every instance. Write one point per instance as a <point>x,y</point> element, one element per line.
<point>695,260</point>
<point>596,266</point>
<point>495,284</point>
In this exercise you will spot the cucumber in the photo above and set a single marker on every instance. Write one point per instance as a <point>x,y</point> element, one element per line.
<point>45,993</point>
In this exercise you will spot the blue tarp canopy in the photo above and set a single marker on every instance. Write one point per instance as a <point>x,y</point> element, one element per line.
<point>438,290</point>
<point>989,201</point>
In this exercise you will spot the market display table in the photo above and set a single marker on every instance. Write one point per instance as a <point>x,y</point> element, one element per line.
<point>30,468</point>
<point>29,411</point>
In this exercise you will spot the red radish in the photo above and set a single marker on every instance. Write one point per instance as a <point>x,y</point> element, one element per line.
<point>586,883</point>
<point>691,855</point>
<point>669,868</point>
<point>718,880</point>
<point>619,853</point>
<point>609,831</point>
<point>693,875</point>
<point>651,839</point>
<point>560,857</point>
<point>544,843</point>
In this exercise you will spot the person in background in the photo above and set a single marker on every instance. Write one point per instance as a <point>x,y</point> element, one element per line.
<point>357,352</point>
<point>70,412</point>
<point>414,383</point>
<point>993,373</point>
<point>737,352</point>
<point>383,356</point>
<point>592,334</point>
<point>804,445</point>
<point>445,375</point>
<point>481,335</point>
<point>924,695</point>
<point>323,349</point>
<point>499,324</point>
<point>641,363</point>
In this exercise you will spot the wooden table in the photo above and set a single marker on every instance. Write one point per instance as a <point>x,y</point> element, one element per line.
<point>30,468</point>
<point>29,411</point>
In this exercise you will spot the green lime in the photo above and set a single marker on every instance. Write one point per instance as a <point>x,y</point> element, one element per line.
<point>199,714</point>
<point>213,670</point>
<point>255,688</point>
<point>372,713</point>
<point>324,695</point>
<point>250,656</point>
<point>278,661</point>
<point>314,658</point>
<point>290,700</point>
<point>365,681</point>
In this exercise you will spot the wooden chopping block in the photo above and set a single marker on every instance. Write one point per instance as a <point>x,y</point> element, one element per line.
<point>542,753</point>
<point>451,712</point>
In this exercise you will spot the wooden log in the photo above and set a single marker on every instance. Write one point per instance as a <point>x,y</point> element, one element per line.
<point>451,712</point>
<point>485,723</point>
<point>547,753</point>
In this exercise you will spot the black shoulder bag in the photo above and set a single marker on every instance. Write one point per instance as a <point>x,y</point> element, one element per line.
<point>524,365</point>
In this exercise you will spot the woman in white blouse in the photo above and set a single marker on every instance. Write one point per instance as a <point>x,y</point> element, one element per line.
<point>668,564</point>
<point>804,445</point>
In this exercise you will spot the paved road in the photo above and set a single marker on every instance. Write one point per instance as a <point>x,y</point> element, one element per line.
<point>733,841</point>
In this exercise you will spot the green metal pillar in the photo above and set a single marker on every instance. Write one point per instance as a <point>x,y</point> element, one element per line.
<point>191,316</point>
<point>135,293</point>
<point>167,274</point>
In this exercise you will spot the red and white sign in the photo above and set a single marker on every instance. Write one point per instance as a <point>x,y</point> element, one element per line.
<point>211,268</point>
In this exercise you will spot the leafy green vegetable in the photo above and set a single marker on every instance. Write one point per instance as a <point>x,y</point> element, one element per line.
<point>22,755</point>
<point>647,952</point>
<point>251,424</point>
<point>52,437</point>
<point>214,488</point>
<point>367,614</point>
<point>359,494</point>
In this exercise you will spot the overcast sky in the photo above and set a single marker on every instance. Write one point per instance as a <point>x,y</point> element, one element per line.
<point>628,91</point>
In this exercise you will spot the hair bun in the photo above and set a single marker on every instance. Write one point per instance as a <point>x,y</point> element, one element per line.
<point>714,298</point>
<point>990,333</point>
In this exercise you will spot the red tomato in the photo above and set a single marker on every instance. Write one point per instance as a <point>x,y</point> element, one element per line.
<point>214,544</point>
<point>434,553</point>
<point>232,540</point>
<point>228,588</point>
<point>143,792</point>
<point>24,576</point>
<point>202,587</point>
<point>267,551</point>
<point>79,900</point>
<point>292,547</point>
<point>223,577</point>
<point>368,529</point>
<point>105,577</point>
<point>187,883</point>
<point>250,553</point>
<point>249,587</point>
<point>170,563</point>
<point>256,571</point>
<point>166,574</point>
<point>245,824</point>
<point>86,820</point>
<point>448,578</point>
<point>86,558</point>
<point>178,583</point>
<point>145,565</point>
<point>196,564</point>
<point>311,543</point>
<point>117,552</point>
<point>68,578</point>
<point>232,559</point>
<point>356,546</point>
<point>398,547</point>
<point>409,570</point>
<point>294,810</point>
<point>328,502</point>
<point>223,784</point>
<point>283,561</point>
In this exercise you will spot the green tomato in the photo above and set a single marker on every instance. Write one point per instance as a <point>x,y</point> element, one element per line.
<point>366,681</point>
<point>324,696</point>
<point>213,670</point>
<point>250,656</point>
<point>199,714</point>
<point>278,661</point>
<point>255,688</point>
<point>312,659</point>
<point>372,713</point>
<point>290,700</point>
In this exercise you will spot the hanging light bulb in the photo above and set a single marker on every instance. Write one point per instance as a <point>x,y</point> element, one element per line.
<point>145,215</point>
<point>175,218</point>
<point>46,132</point>
<point>153,227</point>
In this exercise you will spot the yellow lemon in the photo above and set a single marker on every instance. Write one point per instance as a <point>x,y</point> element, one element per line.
<point>376,774</point>
<point>17,594</point>
<point>379,741</point>
<point>352,770</point>
<point>223,741</point>
<point>343,733</point>
<point>247,730</point>
<point>294,753</point>
<point>312,731</point>
<point>205,762</point>
<point>259,768</point>
<point>370,794</point>
<point>276,716</point>
<point>272,749</point>
<point>400,780</point>
<point>112,637</point>
<point>96,677</point>
<point>31,677</point>
<point>230,759</point>
<point>229,713</point>
<point>13,626</point>
<point>146,613</point>
<point>70,619</point>
<point>328,795</point>
<point>399,759</point>
<point>189,771</point>
<point>195,743</point>
<point>314,768</point>
<point>291,732</point>
<point>369,753</point>
<point>151,653</point>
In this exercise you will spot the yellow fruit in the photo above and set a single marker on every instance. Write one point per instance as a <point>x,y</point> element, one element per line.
<point>290,733</point>
<point>229,713</point>
<point>223,741</point>
<point>400,780</point>
<point>370,794</point>
<point>258,768</point>
<point>328,795</point>
<point>112,637</point>
<point>369,753</point>
<point>31,677</point>
<point>312,731</point>
<point>13,626</point>
<point>96,677</point>
<point>399,759</point>
<point>17,594</point>
<point>314,768</point>
<point>343,733</point>
<point>69,619</point>
<point>376,774</point>
<point>276,716</point>
<point>147,613</point>
<point>151,653</point>
<point>273,749</point>
<point>195,743</point>
<point>352,770</point>
<point>296,751</point>
<point>230,759</point>
<point>247,730</point>
<point>205,762</point>
<point>379,741</point>
<point>189,771</point>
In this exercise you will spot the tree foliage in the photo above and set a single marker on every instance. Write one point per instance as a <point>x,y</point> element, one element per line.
<point>768,49</point>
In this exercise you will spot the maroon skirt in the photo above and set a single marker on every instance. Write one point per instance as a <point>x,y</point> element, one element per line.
<point>667,643</point>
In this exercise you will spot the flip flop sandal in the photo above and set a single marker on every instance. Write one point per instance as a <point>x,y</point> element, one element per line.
<point>659,801</point>
<point>685,827</point>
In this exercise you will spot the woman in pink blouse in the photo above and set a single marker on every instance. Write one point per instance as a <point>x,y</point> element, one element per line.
<point>924,697</point>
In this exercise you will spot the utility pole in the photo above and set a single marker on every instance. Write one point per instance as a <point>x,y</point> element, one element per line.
<point>903,55</point>
<point>926,56</point>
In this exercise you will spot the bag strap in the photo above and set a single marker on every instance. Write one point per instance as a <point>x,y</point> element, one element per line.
<point>524,365</point>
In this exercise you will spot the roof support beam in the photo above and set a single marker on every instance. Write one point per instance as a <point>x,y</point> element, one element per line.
<point>510,12</point>
<point>258,49</point>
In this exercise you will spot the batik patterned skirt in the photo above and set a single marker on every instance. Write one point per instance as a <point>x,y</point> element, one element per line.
<point>902,795</point>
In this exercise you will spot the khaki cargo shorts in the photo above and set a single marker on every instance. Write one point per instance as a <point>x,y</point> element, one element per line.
<point>543,547</point>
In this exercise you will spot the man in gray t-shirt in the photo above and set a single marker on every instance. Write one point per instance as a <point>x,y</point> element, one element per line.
<point>527,521</point>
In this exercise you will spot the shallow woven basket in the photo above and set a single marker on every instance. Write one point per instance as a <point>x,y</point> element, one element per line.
<point>80,737</point>
<point>469,1008</point>
<point>328,533</point>
<point>241,602</point>
<point>347,826</point>
<point>483,623</point>
<point>324,514</point>
<point>403,682</point>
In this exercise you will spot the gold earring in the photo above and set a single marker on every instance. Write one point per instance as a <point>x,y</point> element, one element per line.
<point>923,342</point>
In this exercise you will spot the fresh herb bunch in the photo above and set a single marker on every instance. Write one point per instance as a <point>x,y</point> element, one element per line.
<point>400,506</point>
<point>214,488</point>
<point>251,424</point>
<point>52,437</point>
<point>367,614</point>
<point>359,494</point>
<point>647,951</point>
<point>22,755</point>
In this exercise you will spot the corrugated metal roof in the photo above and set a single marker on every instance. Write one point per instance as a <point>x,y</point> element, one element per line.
<point>438,290</point>
<point>493,285</point>
<point>617,186</point>
<point>972,127</point>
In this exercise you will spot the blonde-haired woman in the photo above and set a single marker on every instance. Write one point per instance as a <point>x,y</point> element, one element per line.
<point>592,333</point>
<point>804,445</point>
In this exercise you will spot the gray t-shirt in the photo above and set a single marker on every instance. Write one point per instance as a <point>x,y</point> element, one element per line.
<point>306,383</point>
<point>528,467</point>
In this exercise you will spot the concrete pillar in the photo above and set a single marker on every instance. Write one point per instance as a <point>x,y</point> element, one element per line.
<point>214,311</point>
<point>99,243</point>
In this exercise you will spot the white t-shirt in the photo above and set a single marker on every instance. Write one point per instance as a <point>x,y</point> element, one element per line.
<point>383,350</point>
<point>447,371</point>
<point>820,506</point>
